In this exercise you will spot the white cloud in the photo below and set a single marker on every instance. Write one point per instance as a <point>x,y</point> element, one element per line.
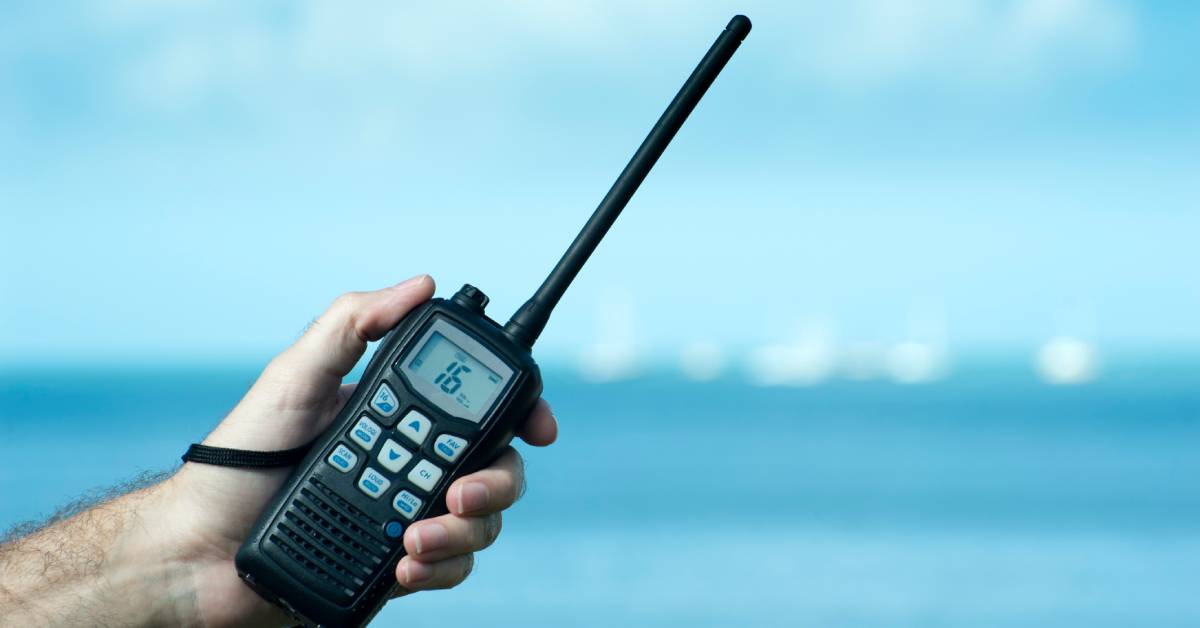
<point>183,52</point>
<point>1066,360</point>
<point>871,43</point>
<point>808,359</point>
<point>799,364</point>
<point>701,360</point>
<point>912,362</point>
<point>612,354</point>
<point>187,51</point>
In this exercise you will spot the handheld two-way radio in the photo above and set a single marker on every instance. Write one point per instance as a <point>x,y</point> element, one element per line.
<point>441,397</point>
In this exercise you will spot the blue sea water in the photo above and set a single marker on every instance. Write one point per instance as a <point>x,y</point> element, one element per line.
<point>987,499</point>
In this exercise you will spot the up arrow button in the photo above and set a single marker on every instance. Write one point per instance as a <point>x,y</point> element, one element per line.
<point>415,426</point>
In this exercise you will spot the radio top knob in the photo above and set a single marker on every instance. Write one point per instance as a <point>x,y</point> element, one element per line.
<point>471,298</point>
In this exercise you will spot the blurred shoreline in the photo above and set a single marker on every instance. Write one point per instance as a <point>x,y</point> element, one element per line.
<point>669,502</point>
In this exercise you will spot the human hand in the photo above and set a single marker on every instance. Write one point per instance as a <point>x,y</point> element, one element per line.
<point>212,509</point>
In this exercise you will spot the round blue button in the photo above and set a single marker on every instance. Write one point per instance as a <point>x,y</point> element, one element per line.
<point>394,529</point>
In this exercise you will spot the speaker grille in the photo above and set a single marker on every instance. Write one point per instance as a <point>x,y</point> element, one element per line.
<point>338,544</point>
<point>334,588</point>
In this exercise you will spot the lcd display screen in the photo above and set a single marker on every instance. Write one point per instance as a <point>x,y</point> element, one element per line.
<point>456,374</point>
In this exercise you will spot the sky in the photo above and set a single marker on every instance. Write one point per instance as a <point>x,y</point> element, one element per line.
<point>195,181</point>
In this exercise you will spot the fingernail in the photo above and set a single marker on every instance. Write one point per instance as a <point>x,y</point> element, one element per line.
<point>415,572</point>
<point>431,536</point>
<point>472,496</point>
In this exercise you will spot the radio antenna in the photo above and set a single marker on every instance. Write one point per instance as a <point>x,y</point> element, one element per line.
<point>527,323</point>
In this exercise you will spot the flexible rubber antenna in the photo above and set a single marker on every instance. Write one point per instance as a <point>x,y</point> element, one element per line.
<point>527,323</point>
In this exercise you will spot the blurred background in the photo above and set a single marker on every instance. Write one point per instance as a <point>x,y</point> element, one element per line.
<point>902,330</point>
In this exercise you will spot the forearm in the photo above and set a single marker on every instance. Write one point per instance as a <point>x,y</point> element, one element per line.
<point>105,566</point>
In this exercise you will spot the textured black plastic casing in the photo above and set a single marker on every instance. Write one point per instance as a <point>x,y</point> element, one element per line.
<point>322,518</point>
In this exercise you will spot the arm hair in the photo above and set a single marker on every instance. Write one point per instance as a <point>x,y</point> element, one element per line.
<point>66,569</point>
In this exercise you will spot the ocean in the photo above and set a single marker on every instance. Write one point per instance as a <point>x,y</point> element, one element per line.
<point>986,499</point>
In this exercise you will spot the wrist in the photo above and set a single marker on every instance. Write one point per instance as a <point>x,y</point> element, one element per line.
<point>112,563</point>
<point>149,568</point>
<point>198,529</point>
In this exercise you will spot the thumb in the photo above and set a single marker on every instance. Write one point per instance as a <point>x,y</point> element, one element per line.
<point>298,390</point>
<point>334,342</point>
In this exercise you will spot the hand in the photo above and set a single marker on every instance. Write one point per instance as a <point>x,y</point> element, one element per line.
<point>292,402</point>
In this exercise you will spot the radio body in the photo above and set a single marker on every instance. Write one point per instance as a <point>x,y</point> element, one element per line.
<point>442,396</point>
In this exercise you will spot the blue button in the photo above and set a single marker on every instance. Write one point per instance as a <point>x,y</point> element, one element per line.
<point>373,483</point>
<point>406,504</point>
<point>384,401</point>
<point>365,432</point>
<point>450,447</point>
<point>394,529</point>
<point>343,458</point>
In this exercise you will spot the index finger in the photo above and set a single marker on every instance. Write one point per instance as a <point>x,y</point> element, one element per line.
<point>541,428</point>
<point>490,489</point>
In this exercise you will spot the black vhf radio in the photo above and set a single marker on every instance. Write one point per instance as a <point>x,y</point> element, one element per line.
<point>441,397</point>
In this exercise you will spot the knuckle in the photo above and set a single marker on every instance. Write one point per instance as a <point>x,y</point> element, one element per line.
<point>468,566</point>
<point>491,529</point>
<point>345,302</point>
<point>344,314</point>
<point>519,462</point>
<point>522,486</point>
<point>517,486</point>
<point>345,391</point>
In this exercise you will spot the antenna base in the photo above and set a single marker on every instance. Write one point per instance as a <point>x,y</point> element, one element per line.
<point>526,324</point>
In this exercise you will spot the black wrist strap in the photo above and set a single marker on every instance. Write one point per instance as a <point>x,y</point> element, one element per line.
<point>225,457</point>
